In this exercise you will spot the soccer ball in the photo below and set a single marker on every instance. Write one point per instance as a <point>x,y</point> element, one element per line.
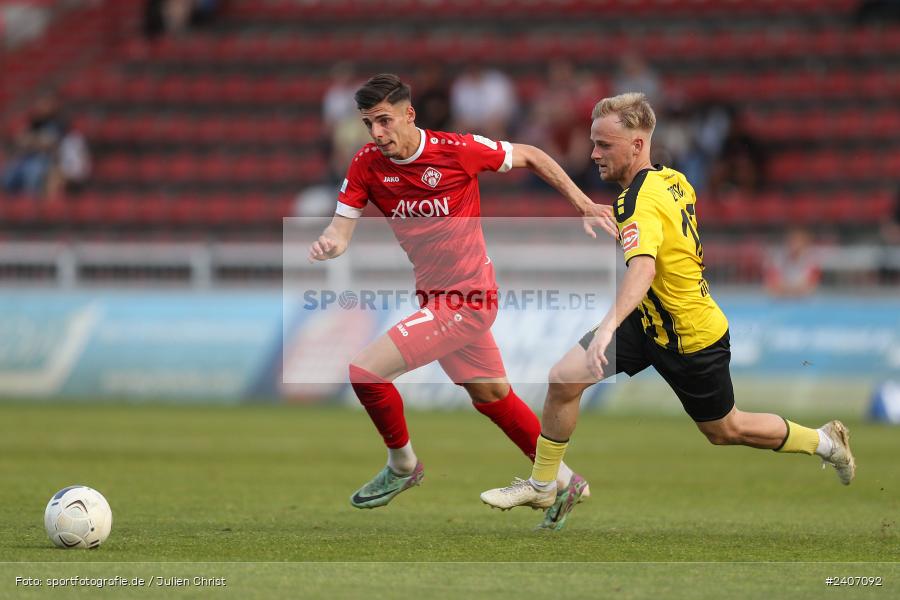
<point>78,517</point>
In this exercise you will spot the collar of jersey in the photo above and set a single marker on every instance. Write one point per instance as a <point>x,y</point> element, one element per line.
<point>416,154</point>
<point>656,167</point>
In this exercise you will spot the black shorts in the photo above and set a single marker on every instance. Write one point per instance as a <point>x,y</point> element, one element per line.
<point>701,380</point>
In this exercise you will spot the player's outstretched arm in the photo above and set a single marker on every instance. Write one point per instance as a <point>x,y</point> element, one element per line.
<point>634,286</point>
<point>539,162</point>
<point>334,240</point>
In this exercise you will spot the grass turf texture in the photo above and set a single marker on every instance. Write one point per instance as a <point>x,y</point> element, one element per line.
<point>271,484</point>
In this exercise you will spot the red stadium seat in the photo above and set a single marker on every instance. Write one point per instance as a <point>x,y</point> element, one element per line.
<point>238,105</point>
<point>802,210</point>
<point>89,210</point>
<point>150,210</point>
<point>841,209</point>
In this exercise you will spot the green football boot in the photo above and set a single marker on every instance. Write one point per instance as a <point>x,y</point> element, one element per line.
<point>385,486</point>
<point>566,499</point>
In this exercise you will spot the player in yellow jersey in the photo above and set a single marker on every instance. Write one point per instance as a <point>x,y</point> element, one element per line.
<point>663,316</point>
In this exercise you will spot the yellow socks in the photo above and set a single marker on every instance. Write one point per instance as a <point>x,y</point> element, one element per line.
<point>547,458</point>
<point>798,439</point>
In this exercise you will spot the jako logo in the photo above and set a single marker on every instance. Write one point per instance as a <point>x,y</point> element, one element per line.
<point>435,207</point>
<point>431,177</point>
<point>391,180</point>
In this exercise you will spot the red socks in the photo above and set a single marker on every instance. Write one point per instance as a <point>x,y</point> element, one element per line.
<point>385,407</point>
<point>383,403</point>
<point>516,419</point>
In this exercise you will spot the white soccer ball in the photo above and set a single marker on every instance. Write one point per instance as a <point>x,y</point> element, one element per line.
<point>78,517</point>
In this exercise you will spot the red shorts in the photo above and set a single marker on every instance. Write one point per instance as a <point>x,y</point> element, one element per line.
<point>457,336</point>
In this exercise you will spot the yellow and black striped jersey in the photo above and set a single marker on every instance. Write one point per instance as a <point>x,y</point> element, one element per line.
<point>656,217</point>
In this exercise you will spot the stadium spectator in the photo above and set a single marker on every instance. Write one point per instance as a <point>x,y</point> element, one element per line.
<point>636,75</point>
<point>315,201</point>
<point>433,98</point>
<point>343,131</point>
<point>793,271</point>
<point>877,11</point>
<point>337,104</point>
<point>889,238</point>
<point>673,140</point>
<point>740,166</point>
<point>483,100</point>
<point>72,168</point>
<point>693,139</point>
<point>49,156</point>
<point>204,12</point>
<point>175,17</point>
<point>556,122</point>
<point>21,22</point>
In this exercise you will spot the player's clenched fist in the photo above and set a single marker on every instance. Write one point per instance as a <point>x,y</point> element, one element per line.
<point>324,248</point>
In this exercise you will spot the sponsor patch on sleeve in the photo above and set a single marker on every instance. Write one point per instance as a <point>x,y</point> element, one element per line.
<point>344,186</point>
<point>630,236</point>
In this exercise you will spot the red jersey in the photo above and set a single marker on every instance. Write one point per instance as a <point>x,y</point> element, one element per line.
<point>433,204</point>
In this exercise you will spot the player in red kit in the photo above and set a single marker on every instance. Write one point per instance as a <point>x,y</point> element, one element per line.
<point>425,183</point>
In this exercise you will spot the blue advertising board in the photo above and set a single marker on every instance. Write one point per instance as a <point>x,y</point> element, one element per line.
<point>136,344</point>
<point>228,347</point>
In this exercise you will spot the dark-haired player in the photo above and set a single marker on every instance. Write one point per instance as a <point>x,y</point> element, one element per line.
<point>425,183</point>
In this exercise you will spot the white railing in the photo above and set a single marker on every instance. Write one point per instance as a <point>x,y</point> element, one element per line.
<point>222,265</point>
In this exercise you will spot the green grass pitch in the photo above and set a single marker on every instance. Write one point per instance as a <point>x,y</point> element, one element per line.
<point>259,495</point>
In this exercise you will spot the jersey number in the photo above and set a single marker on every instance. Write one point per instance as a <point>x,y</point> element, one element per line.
<point>687,225</point>
<point>428,316</point>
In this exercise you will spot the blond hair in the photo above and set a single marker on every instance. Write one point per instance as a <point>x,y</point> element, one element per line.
<point>633,110</point>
